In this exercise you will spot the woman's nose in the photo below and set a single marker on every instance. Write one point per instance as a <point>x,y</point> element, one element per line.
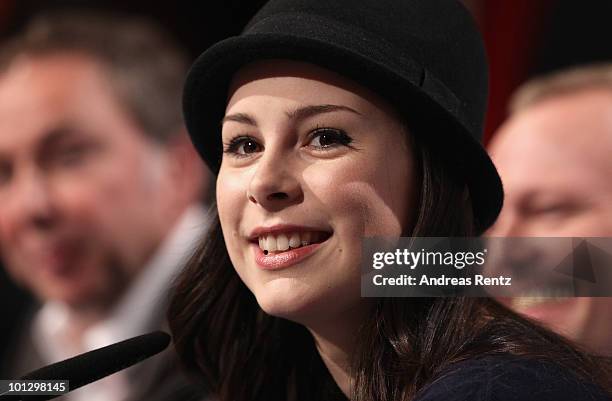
<point>275,184</point>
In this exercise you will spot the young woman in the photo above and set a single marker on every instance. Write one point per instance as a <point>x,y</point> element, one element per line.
<point>338,121</point>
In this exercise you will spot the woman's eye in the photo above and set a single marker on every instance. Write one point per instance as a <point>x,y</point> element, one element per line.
<point>242,146</point>
<point>324,138</point>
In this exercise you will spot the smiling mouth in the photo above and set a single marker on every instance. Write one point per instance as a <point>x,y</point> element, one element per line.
<point>272,244</point>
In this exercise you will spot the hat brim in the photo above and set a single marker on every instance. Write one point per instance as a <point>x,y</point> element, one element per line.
<point>405,86</point>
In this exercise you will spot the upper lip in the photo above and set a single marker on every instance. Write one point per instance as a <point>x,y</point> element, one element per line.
<point>282,228</point>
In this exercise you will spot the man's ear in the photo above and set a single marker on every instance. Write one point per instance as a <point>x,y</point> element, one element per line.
<point>190,176</point>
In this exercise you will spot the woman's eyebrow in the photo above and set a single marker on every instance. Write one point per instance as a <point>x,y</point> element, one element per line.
<point>309,111</point>
<point>242,118</point>
<point>300,113</point>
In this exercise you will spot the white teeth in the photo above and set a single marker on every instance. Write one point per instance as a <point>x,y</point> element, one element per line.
<point>294,241</point>
<point>282,242</point>
<point>270,243</point>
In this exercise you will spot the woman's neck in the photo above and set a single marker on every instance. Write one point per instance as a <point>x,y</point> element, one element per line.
<point>336,341</point>
<point>336,358</point>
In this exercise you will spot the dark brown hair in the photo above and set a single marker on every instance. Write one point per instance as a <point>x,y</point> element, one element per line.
<point>145,68</point>
<point>221,333</point>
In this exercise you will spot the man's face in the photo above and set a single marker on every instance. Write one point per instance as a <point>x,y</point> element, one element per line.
<point>80,185</point>
<point>556,166</point>
<point>554,160</point>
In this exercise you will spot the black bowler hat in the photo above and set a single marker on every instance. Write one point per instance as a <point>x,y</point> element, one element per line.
<point>425,57</point>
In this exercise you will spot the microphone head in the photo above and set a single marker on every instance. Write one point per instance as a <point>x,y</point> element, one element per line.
<point>94,365</point>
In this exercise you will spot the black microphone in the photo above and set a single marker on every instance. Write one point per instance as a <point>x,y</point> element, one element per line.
<point>94,365</point>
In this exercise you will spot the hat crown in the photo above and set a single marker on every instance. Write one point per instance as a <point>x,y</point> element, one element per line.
<point>438,35</point>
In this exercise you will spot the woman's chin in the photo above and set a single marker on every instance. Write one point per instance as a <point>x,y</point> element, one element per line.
<point>287,303</point>
<point>290,309</point>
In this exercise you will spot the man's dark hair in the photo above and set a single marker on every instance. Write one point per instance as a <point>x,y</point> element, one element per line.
<point>145,68</point>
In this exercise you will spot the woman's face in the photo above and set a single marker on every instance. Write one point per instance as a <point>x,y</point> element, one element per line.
<point>312,163</point>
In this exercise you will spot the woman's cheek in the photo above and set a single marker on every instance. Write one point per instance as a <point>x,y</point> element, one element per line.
<point>231,197</point>
<point>231,201</point>
<point>358,201</point>
<point>372,214</point>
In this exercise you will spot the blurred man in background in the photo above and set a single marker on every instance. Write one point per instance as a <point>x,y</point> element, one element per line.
<point>554,155</point>
<point>100,190</point>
